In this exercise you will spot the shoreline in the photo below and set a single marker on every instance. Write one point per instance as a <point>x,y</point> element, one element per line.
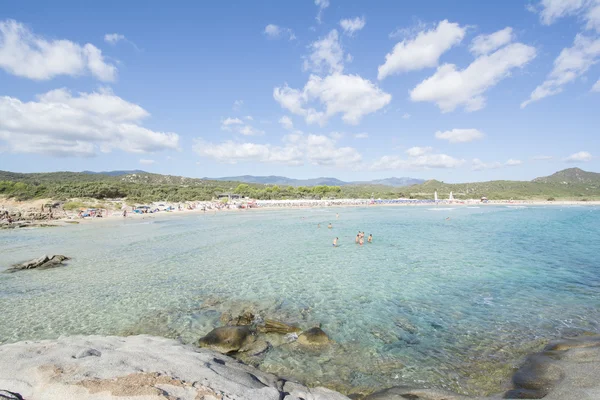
<point>32,217</point>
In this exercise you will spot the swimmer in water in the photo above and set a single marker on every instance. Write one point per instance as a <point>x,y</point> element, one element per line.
<point>370,239</point>
<point>447,218</point>
<point>318,225</point>
<point>337,215</point>
<point>361,241</point>
<point>357,238</point>
<point>335,242</point>
<point>329,226</point>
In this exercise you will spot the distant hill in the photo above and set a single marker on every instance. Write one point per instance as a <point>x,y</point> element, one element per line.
<point>115,173</point>
<point>572,176</point>
<point>282,180</point>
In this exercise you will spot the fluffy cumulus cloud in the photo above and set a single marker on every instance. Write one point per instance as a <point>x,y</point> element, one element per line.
<point>297,149</point>
<point>113,38</point>
<point>450,87</point>
<point>587,10</point>
<point>422,51</point>
<point>570,64</point>
<point>478,165</point>
<point>239,126</point>
<point>459,135</point>
<point>485,44</point>
<point>349,95</point>
<point>582,156</point>
<point>286,122</point>
<point>276,31</point>
<point>61,124</point>
<point>418,158</point>
<point>352,25</point>
<point>326,55</point>
<point>596,87</point>
<point>22,53</point>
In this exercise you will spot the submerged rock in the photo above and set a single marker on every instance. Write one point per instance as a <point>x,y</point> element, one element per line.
<point>404,392</point>
<point>227,339</point>
<point>40,263</point>
<point>313,337</point>
<point>273,326</point>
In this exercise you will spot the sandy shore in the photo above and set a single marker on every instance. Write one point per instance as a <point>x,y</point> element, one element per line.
<point>31,213</point>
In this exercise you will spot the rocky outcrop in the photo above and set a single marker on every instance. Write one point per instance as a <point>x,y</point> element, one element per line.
<point>313,337</point>
<point>40,263</point>
<point>227,339</point>
<point>137,367</point>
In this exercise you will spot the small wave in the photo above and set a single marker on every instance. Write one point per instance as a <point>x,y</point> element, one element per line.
<point>516,207</point>
<point>473,207</point>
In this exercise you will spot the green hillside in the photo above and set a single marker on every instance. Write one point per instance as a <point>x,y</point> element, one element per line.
<point>570,184</point>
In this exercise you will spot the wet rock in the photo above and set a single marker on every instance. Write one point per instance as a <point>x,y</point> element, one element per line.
<point>313,337</point>
<point>273,326</point>
<point>539,373</point>
<point>6,395</point>
<point>246,318</point>
<point>255,348</point>
<point>226,339</point>
<point>88,353</point>
<point>404,393</point>
<point>524,394</point>
<point>40,263</point>
<point>573,343</point>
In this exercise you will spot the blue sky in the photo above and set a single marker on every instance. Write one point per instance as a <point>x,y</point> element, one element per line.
<point>457,91</point>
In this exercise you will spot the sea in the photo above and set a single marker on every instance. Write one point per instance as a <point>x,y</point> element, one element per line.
<point>444,297</point>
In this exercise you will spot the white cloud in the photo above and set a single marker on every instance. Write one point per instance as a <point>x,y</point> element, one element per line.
<point>582,156</point>
<point>349,95</point>
<point>336,135</point>
<point>571,63</point>
<point>425,161</point>
<point>286,122</point>
<point>450,88</point>
<point>227,122</point>
<point>596,87</point>
<point>297,149</point>
<point>275,31</point>
<point>411,31</point>
<point>361,135</point>
<point>144,161</point>
<point>405,116</point>
<point>113,38</point>
<point>587,10</point>
<point>61,124</point>
<point>25,54</point>
<point>422,51</point>
<point>485,44</point>
<point>249,117</point>
<point>478,165</point>
<point>322,4</point>
<point>418,151</point>
<point>459,135</point>
<point>542,158</point>
<point>327,55</point>
<point>237,105</point>
<point>350,26</point>
<point>237,125</point>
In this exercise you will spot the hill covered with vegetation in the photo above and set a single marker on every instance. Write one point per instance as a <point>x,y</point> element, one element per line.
<point>570,184</point>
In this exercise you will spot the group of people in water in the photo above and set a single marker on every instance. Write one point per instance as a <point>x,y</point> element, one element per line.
<point>359,239</point>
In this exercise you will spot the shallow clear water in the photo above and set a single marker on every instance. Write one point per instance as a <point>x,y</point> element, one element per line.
<point>431,302</point>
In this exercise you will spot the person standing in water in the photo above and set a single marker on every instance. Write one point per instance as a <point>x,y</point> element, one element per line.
<point>370,239</point>
<point>337,215</point>
<point>335,242</point>
<point>329,226</point>
<point>357,238</point>
<point>361,241</point>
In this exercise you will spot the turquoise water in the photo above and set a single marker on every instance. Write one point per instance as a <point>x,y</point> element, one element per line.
<point>430,302</point>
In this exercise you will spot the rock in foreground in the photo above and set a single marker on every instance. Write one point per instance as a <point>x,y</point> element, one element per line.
<point>40,263</point>
<point>137,368</point>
